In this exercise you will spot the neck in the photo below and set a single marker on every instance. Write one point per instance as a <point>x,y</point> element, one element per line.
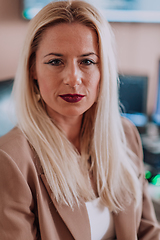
<point>71,127</point>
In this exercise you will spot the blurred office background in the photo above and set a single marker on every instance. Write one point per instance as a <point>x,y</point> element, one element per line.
<point>138,43</point>
<point>136,25</point>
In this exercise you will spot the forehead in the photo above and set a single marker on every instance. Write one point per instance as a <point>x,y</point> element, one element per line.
<point>69,35</point>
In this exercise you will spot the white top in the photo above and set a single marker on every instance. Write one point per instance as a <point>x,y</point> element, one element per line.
<point>101,221</point>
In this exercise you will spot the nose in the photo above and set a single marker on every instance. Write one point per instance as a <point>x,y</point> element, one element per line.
<point>72,75</point>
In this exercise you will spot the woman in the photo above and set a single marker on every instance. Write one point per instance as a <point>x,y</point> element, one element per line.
<point>72,168</point>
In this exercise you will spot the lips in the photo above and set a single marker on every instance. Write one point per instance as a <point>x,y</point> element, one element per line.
<point>72,98</point>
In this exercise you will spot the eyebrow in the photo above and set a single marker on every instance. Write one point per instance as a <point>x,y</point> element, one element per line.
<point>55,54</point>
<point>88,54</point>
<point>61,55</point>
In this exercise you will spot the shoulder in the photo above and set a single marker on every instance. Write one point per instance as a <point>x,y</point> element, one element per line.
<point>12,138</point>
<point>132,137</point>
<point>15,150</point>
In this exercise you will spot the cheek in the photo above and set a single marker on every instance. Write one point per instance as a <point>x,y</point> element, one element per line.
<point>43,78</point>
<point>97,86</point>
<point>43,86</point>
<point>46,83</point>
<point>97,90</point>
<point>95,82</point>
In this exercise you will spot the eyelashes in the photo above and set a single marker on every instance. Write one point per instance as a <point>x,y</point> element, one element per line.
<point>60,62</point>
<point>88,62</point>
<point>55,62</point>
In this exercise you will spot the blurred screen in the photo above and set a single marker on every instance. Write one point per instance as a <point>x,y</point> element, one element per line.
<point>156,114</point>
<point>133,98</point>
<point>114,10</point>
<point>7,117</point>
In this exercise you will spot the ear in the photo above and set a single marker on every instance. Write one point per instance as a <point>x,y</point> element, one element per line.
<point>36,85</point>
<point>33,73</point>
<point>34,79</point>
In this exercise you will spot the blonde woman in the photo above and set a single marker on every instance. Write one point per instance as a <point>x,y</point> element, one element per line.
<point>72,168</point>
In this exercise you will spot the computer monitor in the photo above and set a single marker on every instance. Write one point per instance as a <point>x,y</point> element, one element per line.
<point>156,115</point>
<point>133,97</point>
<point>7,118</point>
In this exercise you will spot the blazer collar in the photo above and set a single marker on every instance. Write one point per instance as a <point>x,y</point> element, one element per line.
<point>72,217</point>
<point>125,221</point>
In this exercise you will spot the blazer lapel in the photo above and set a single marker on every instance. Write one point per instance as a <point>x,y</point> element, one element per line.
<point>75,219</point>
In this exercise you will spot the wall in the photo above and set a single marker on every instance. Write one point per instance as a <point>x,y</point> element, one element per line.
<point>12,32</point>
<point>138,46</point>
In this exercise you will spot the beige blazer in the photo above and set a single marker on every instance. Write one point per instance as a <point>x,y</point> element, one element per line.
<point>28,210</point>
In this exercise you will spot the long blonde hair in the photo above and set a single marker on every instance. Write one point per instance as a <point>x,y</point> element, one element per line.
<point>102,134</point>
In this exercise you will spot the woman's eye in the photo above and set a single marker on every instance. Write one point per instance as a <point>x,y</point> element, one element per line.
<point>55,62</point>
<point>87,62</point>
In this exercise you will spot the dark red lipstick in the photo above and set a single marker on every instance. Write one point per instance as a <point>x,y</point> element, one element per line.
<point>72,98</point>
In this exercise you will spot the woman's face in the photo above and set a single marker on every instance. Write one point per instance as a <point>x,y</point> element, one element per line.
<point>67,69</point>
